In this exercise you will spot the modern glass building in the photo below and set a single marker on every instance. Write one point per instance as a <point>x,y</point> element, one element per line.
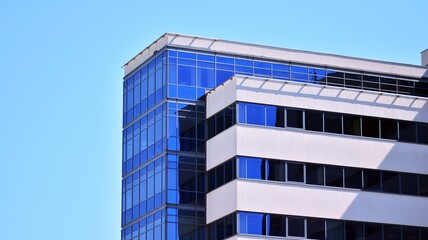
<point>240,141</point>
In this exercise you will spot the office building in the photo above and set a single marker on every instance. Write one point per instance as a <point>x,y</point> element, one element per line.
<point>227,140</point>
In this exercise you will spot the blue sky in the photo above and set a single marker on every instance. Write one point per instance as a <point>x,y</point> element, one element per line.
<point>61,88</point>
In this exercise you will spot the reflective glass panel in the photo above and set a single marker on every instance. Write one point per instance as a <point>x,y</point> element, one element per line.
<point>370,127</point>
<point>409,183</point>
<point>276,170</point>
<point>255,168</point>
<point>277,225</point>
<point>314,174</point>
<point>372,180</point>
<point>296,227</point>
<point>333,122</point>
<point>294,118</point>
<point>388,129</point>
<point>255,114</point>
<point>295,172</point>
<point>334,176</point>
<point>314,121</point>
<point>316,229</point>
<point>390,182</point>
<point>351,125</point>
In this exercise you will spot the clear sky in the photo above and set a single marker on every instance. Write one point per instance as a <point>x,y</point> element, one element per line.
<point>61,88</point>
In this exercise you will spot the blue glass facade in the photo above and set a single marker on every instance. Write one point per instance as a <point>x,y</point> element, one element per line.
<point>164,131</point>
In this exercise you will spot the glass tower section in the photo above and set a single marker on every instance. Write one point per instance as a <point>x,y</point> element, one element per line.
<point>164,132</point>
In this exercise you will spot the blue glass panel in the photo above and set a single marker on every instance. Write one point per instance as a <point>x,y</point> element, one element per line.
<point>172,91</point>
<point>239,69</point>
<point>262,72</point>
<point>172,60</point>
<point>186,62</point>
<point>297,69</point>
<point>317,72</point>
<point>187,75</point>
<point>255,224</point>
<point>187,92</point>
<point>206,64</point>
<point>172,53</point>
<point>281,75</point>
<point>206,78</point>
<point>255,168</point>
<point>224,60</point>
<point>255,114</point>
<point>242,167</point>
<point>205,57</point>
<point>301,77</point>
<point>242,222</point>
<point>223,76</point>
<point>186,55</point>
<point>243,62</point>
<point>224,67</point>
<point>258,64</point>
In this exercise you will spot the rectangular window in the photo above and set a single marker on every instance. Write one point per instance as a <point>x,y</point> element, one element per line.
<point>219,172</point>
<point>274,116</point>
<point>256,224</point>
<point>423,133</point>
<point>275,170</point>
<point>294,118</point>
<point>390,182</point>
<point>407,131</point>
<point>296,227</point>
<point>391,232</point>
<point>255,114</point>
<point>295,172</point>
<point>388,129</point>
<point>335,230</point>
<point>410,233</point>
<point>373,231</point>
<point>409,183</point>
<point>353,178</point>
<point>354,231</point>
<point>333,122</point>
<point>277,225</point>
<point>314,121</point>
<point>423,185</point>
<point>314,174</point>
<point>370,127</point>
<point>372,180</point>
<point>334,176</point>
<point>316,229</point>
<point>351,125</point>
<point>256,168</point>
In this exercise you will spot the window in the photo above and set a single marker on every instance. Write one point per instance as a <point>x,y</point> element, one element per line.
<point>370,127</point>
<point>277,225</point>
<point>313,121</point>
<point>275,170</point>
<point>335,230</point>
<point>373,231</point>
<point>255,168</point>
<point>333,122</point>
<point>407,131</point>
<point>295,172</point>
<point>274,116</point>
<point>294,118</point>
<point>423,185</point>
<point>410,233</point>
<point>391,182</point>
<point>409,183</point>
<point>316,229</point>
<point>354,231</point>
<point>351,125</point>
<point>333,176</point>
<point>256,224</point>
<point>314,174</point>
<point>372,180</point>
<point>353,178</point>
<point>391,232</point>
<point>255,114</point>
<point>423,133</point>
<point>296,227</point>
<point>388,129</point>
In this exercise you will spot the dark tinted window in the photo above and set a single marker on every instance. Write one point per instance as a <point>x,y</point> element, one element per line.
<point>211,180</point>
<point>219,175</point>
<point>275,116</point>
<point>353,178</point>
<point>372,231</point>
<point>391,182</point>
<point>277,226</point>
<point>296,227</point>
<point>229,171</point>
<point>316,229</point>
<point>410,233</point>
<point>351,125</point>
<point>314,174</point>
<point>388,129</point>
<point>276,170</point>
<point>295,172</point>
<point>372,180</point>
<point>313,121</point>
<point>294,118</point>
<point>422,133</point>
<point>409,183</point>
<point>229,226</point>
<point>407,131</point>
<point>333,176</point>
<point>391,232</point>
<point>335,230</point>
<point>423,185</point>
<point>354,231</point>
<point>370,127</point>
<point>333,122</point>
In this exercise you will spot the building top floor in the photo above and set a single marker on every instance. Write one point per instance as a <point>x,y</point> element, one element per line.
<point>274,53</point>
